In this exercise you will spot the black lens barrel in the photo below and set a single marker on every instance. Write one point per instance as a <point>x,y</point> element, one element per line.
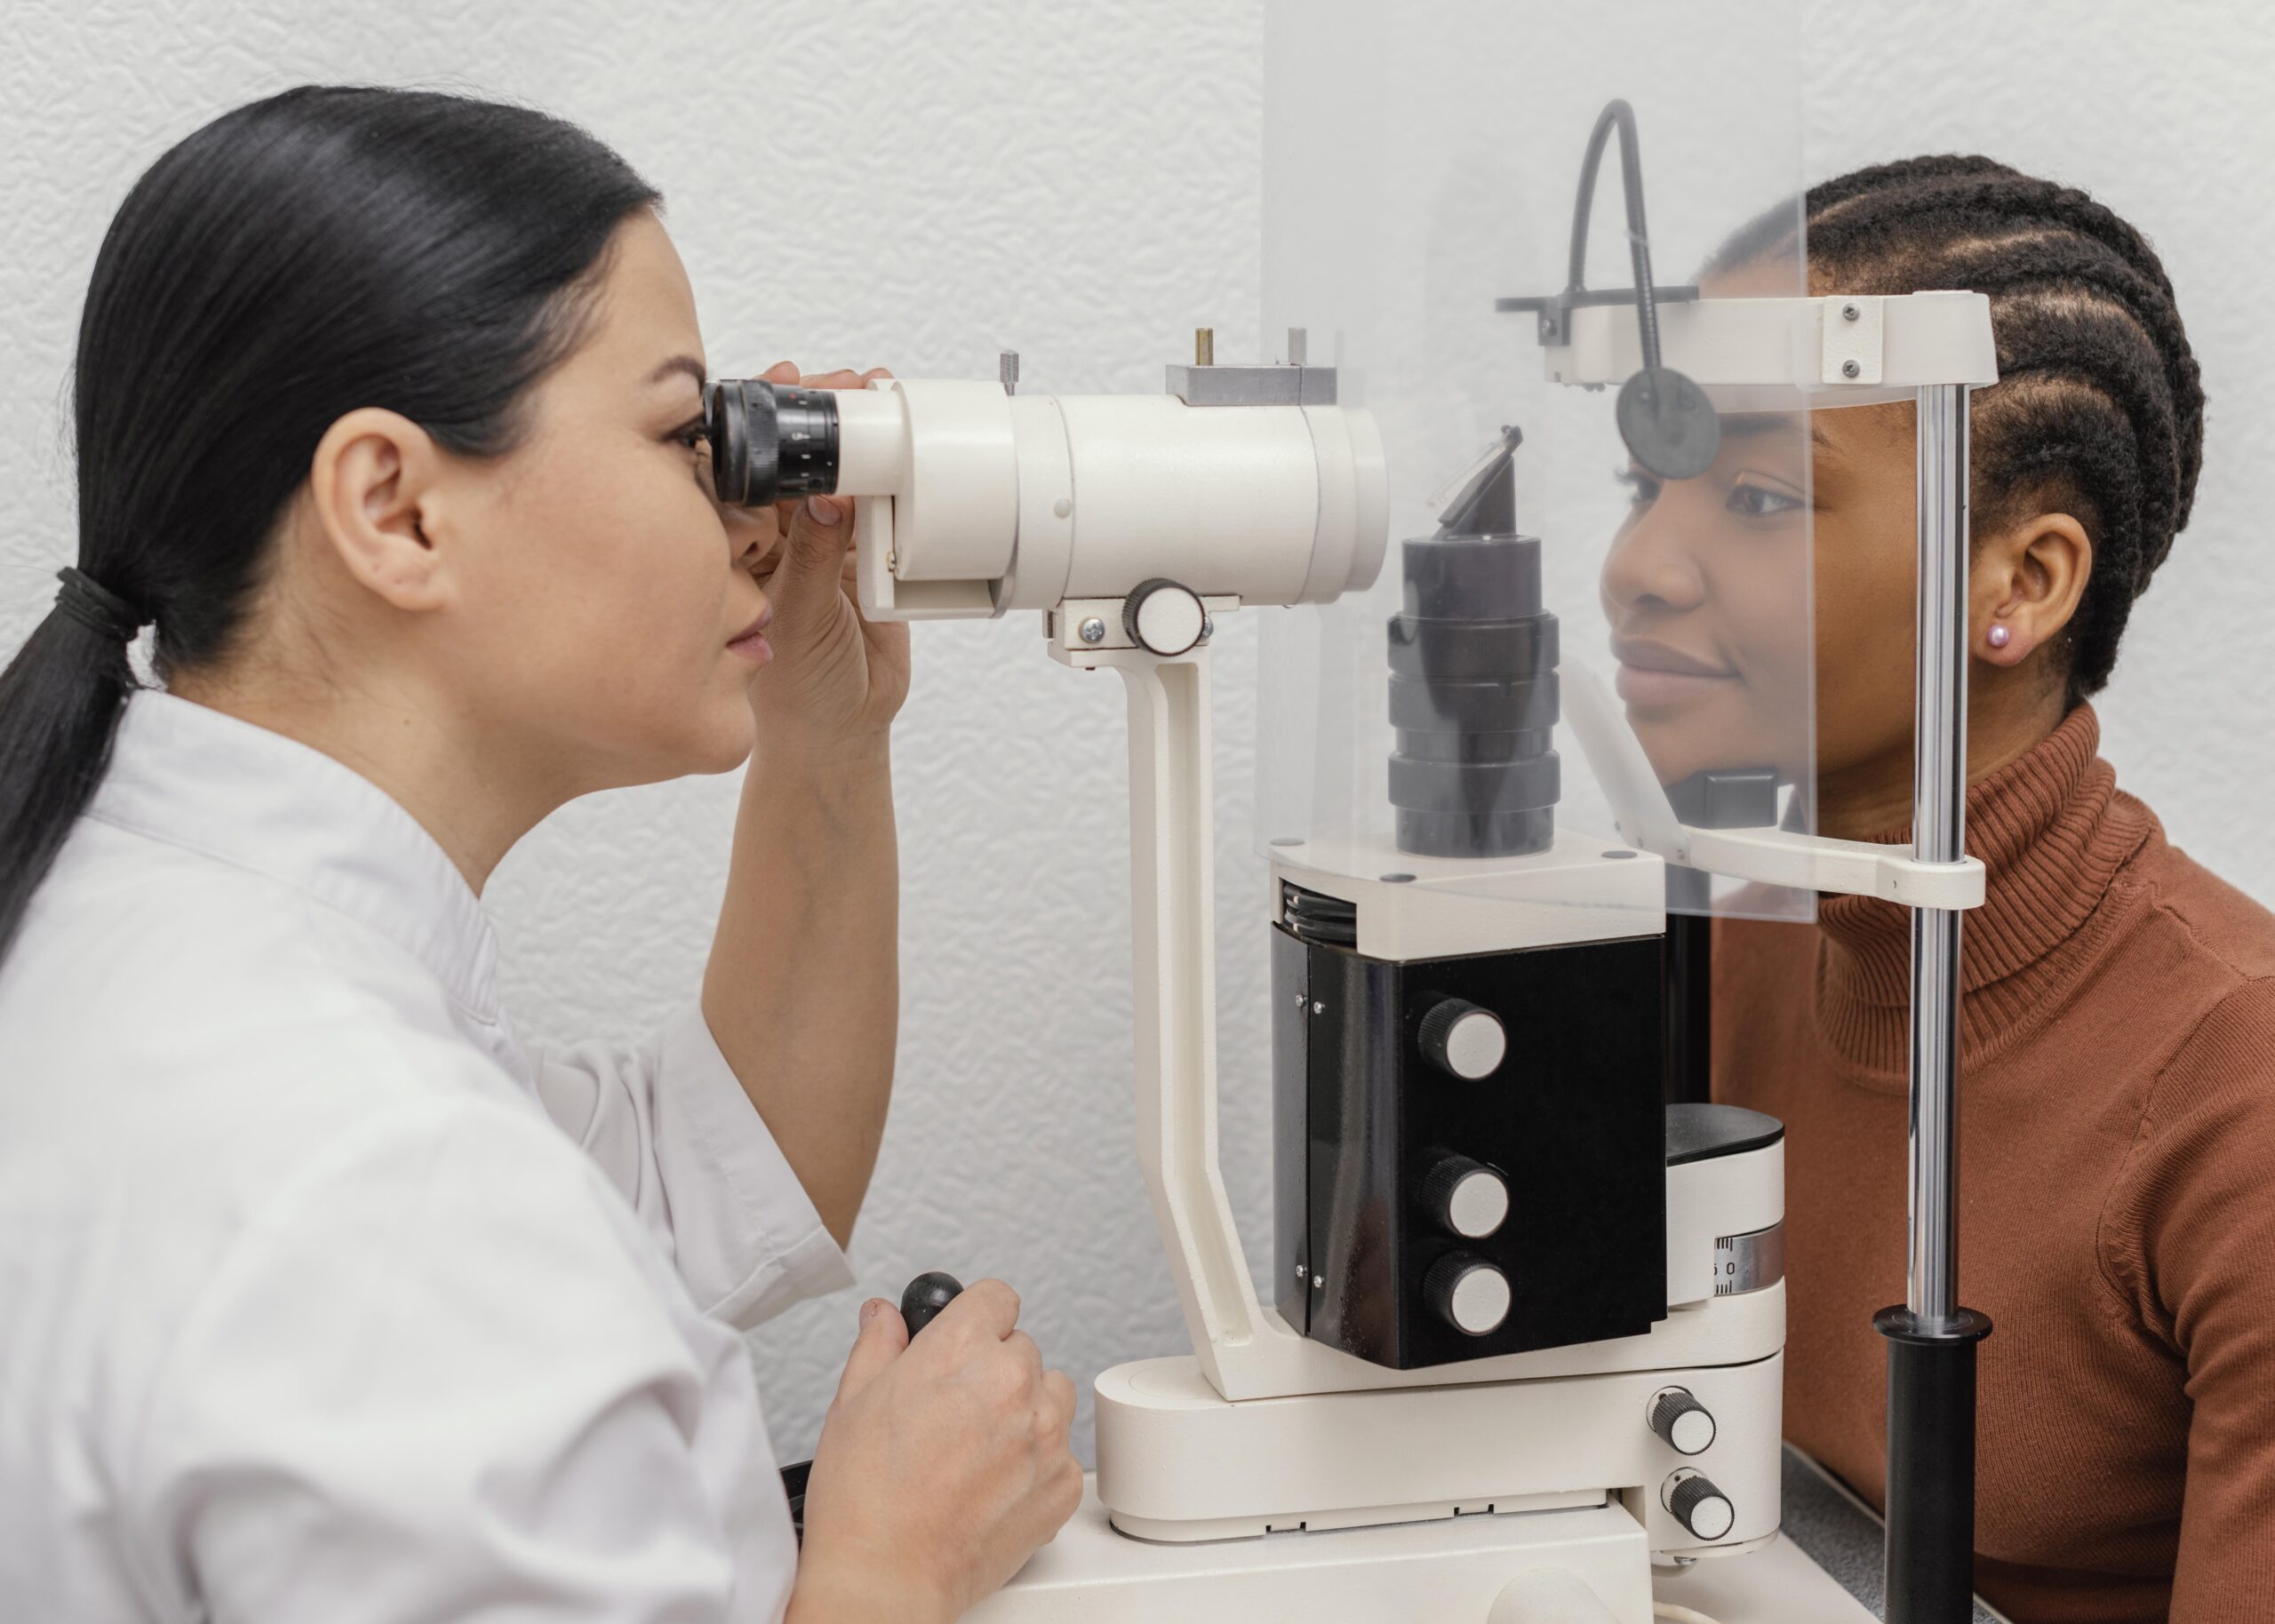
<point>771,442</point>
<point>1473,697</point>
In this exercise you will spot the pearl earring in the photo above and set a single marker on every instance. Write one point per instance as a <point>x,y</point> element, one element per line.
<point>2000,637</point>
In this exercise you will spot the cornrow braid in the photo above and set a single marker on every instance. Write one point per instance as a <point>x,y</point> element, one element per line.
<point>2099,404</point>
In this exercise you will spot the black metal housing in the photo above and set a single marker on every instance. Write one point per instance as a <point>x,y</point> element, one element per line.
<point>1573,1121</point>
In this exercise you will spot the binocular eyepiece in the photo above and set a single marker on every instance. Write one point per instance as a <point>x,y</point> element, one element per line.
<point>771,442</point>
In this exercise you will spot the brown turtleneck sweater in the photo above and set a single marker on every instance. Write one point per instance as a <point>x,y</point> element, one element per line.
<point>2116,1191</point>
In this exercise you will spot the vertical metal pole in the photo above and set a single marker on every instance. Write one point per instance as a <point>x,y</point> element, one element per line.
<point>1931,1339</point>
<point>1938,835</point>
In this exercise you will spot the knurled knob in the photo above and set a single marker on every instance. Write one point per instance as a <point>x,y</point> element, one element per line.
<point>1678,1417</point>
<point>1699,1506</point>
<point>1463,1040</point>
<point>1466,1197</point>
<point>1467,1292</point>
<point>1164,616</point>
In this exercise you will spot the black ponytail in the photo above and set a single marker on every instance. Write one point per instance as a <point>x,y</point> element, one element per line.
<point>326,248</point>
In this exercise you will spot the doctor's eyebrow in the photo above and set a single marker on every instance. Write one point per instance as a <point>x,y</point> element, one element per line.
<point>689,365</point>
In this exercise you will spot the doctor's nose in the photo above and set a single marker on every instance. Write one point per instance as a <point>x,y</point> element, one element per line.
<point>750,533</point>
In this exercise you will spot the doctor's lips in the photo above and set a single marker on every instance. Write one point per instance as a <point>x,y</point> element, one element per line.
<point>1653,674</point>
<point>750,642</point>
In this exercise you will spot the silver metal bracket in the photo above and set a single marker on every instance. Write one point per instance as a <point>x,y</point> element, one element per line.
<point>1253,385</point>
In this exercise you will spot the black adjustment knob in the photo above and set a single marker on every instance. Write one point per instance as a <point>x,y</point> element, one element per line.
<point>1463,1040</point>
<point>1699,1506</point>
<point>1680,1418</point>
<point>1467,1292</point>
<point>926,1296</point>
<point>1465,1197</point>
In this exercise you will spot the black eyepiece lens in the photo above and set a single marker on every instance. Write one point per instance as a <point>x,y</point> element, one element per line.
<point>771,442</point>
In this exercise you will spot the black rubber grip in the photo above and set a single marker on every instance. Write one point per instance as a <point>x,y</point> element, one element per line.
<point>926,1296</point>
<point>1930,1552</point>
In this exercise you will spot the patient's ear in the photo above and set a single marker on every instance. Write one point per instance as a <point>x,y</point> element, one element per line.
<point>373,489</point>
<point>2026,582</point>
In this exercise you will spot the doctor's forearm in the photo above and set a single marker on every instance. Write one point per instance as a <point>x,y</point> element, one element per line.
<point>803,991</point>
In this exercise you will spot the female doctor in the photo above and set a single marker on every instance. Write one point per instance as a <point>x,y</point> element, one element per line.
<point>325,1298</point>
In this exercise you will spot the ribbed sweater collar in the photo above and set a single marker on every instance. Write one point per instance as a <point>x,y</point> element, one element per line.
<point>2052,832</point>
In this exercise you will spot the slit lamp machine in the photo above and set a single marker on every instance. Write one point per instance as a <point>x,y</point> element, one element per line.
<point>1522,1341</point>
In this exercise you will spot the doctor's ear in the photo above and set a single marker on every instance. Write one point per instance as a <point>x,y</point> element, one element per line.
<point>372,485</point>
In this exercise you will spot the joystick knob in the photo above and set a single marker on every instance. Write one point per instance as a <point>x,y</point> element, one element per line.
<point>926,1296</point>
<point>1681,1421</point>
<point>1463,1040</point>
<point>1698,1505</point>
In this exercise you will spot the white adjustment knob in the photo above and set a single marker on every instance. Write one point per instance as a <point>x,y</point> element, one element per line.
<point>1698,1505</point>
<point>1463,1040</point>
<point>1468,1292</point>
<point>1163,616</point>
<point>1680,1418</point>
<point>1466,1197</point>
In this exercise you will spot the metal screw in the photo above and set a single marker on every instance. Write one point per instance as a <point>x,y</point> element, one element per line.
<point>1207,627</point>
<point>1319,1282</point>
<point>1319,1008</point>
<point>1094,630</point>
<point>1302,1273</point>
<point>1204,347</point>
<point>1007,367</point>
<point>1849,368</point>
<point>1849,312</point>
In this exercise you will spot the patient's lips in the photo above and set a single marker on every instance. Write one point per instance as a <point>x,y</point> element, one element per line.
<point>1653,674</point>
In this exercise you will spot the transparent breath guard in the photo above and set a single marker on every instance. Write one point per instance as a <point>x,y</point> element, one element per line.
<point>1588,655</point>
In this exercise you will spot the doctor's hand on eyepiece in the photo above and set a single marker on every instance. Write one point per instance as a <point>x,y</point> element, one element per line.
<point>837,678</point>
<point>944,1462</point>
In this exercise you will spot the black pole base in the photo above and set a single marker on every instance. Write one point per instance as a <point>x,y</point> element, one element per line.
<point>1930,1554</point>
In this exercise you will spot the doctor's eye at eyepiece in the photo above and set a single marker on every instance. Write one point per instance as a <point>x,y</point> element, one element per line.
<point>771,442</point>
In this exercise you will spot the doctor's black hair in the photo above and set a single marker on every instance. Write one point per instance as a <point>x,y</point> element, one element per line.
<point>325,249</point>
<point>2099,407</point>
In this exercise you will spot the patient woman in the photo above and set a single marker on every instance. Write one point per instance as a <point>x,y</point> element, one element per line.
<point>2116,1178</point>
<point>322,1296</point>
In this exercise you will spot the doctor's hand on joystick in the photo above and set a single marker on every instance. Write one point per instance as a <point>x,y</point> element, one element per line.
<point>944,1462</point>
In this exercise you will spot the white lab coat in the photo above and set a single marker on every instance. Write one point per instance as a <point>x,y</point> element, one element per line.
<point>308,1313</point>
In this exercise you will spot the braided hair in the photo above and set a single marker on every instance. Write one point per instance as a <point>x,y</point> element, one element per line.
<point>2099,409</point>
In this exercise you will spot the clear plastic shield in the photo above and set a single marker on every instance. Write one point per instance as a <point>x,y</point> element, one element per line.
<point>1591,631</point>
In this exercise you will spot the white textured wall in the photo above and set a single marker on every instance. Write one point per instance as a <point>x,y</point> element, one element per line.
<point>922,185</point>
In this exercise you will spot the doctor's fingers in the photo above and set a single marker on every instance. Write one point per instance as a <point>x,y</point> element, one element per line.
<point>1059,1403</point>
<point>883,1336</point>
<point>844,377</point>
<point>1023,1350</point>
<point>985,1310</point>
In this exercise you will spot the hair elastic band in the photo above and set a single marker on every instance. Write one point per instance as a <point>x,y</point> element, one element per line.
<point>96,607</point>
